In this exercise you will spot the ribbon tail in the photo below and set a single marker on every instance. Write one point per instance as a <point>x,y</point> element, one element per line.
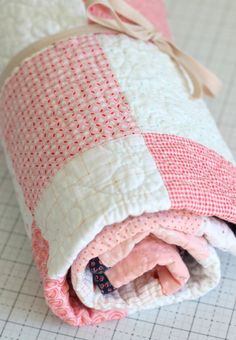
<point>204,81</point>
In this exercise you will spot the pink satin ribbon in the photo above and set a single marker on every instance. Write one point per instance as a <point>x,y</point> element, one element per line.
<point>137,26</point>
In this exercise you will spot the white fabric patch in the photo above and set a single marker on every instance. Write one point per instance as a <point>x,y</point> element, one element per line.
<point>158,94</point>
<point>23,22</point>
<point>102,186</point>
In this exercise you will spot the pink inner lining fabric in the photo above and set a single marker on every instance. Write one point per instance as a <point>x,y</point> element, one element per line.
<point>146,255</point>
<point>140,244</point>
<point>180,221</point>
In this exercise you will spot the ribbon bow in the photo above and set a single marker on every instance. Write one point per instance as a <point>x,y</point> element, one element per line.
<point>137,26</point>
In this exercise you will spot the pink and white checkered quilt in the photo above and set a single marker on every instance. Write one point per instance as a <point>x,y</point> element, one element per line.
<point>99,131</point>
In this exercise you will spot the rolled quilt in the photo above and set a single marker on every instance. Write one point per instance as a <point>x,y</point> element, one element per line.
<point>125,184</point>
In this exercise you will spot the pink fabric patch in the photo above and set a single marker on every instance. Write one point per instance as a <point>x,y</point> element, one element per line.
<point>153,10</point>
<point>60,103</point>
<point>197,178</point>
<point>111,257</point>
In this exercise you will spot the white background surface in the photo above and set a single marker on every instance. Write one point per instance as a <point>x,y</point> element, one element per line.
<point>207,30</point>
